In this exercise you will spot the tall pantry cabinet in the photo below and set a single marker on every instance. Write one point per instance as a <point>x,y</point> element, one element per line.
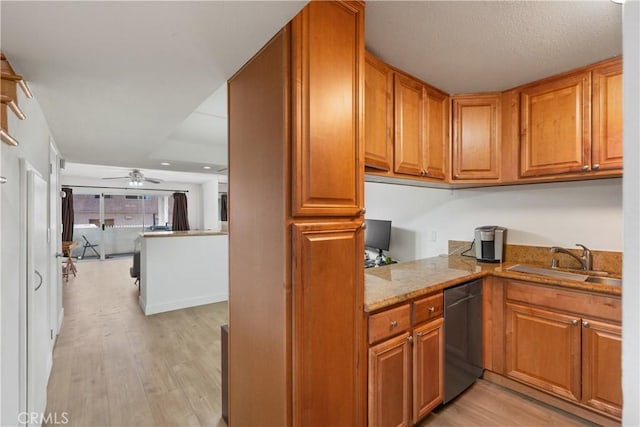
<point>297,350</point>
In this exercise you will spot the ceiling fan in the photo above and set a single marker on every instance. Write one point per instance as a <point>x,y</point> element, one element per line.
<point>136,178</point>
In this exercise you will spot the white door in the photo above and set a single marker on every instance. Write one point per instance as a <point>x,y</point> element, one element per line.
<point>38,331</point>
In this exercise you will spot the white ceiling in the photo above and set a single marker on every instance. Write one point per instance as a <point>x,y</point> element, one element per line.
<point>83,170</point>
<point>134,84</point>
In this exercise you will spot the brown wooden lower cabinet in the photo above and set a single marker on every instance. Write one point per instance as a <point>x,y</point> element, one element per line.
<point>406,371</point>
<point>601,366</point>
<point>543,349</point>
<point>576,356</point>
<point>428,372</point>
<point>390,382</point>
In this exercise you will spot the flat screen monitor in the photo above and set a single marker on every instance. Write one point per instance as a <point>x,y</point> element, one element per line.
<point>377,234</point>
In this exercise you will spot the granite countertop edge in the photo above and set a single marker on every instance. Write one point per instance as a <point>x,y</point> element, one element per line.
<point>395,290</point>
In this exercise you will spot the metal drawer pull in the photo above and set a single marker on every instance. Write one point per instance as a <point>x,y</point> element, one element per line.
<point>431,309</point>
<point>394,324</point>
<point>574,322</point>
<point>420,334</point>
<point>585,323</point>
<point>410,338</point>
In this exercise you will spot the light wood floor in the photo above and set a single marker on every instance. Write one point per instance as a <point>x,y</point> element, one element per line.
<point>113,366</point>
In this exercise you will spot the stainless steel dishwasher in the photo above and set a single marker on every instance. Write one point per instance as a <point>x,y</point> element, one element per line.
<point>462,337</point>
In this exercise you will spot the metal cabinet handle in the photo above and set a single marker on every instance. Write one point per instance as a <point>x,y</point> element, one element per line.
<point>410,338</point>
<point>585,323</point>
<point>420,334</point>
<point>3,180</point>
<point>363,211</point>
<point>363,225</point>
<point>585,168</point>
<point>574,322</point>
<point>595,167</point>
<point>394,324</point>
<point>431,309</point>
<point>39,284</point>
<point>456,176</point>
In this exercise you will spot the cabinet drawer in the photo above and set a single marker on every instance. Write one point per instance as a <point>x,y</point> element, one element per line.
<point>427,308</point>
<point>584,304</point>
<point>389,323</point>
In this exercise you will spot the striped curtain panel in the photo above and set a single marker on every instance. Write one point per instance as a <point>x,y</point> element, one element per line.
<point>67,215</point>
<point>180,215</point>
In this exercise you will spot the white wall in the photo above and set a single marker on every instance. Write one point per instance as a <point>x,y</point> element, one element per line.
<point>210,205</point>
<point>631,272</point>
<point>199,264</point>
<point>194,194</point>
<point>424,219</point>
<point>33,135</point>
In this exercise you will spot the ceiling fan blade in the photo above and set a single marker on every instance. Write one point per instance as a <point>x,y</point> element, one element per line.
<point>116,177</point>
<point>153,180</point>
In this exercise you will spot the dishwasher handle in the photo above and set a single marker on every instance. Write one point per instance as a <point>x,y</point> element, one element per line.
<point>460,301</point>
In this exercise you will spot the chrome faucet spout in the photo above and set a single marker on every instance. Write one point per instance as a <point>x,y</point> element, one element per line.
<point>584,260</point>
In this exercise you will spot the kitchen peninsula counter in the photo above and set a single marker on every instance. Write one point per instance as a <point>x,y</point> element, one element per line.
<point>395,283</point>
<point>180,269</point>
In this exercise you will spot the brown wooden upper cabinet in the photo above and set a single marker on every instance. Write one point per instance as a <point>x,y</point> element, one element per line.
<point>328,72</point>
<point>421,128</point>
<point>378,129</point>
<point>606,108</point>
<point>572,124</point>
<point>556,126</point>
<point>476,137</point>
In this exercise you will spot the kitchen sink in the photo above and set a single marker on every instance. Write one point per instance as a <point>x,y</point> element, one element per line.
<point>549,272</point>
<point>604,280</point>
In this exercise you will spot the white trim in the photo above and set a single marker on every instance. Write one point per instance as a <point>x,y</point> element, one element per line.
<point>60,320</point>
<point>184,303</point>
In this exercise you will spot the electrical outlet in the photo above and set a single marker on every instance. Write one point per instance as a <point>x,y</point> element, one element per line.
<point>433,236</point>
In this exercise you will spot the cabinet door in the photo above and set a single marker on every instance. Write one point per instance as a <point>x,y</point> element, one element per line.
<point>389,383</point>
<point>378,116</point>
<point>476,137</point>
<point>409,125</point>
<point>543,349</point>
<point>556,126</point>
<point>328,77</point>
<point>436,107</point>
<point>601,366</point>
<point>428,370</point>
<point>607,117</point>
<point>329,351</point>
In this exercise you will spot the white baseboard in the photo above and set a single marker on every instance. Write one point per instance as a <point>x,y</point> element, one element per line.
<point>184,303</point>
<point>60,320</point>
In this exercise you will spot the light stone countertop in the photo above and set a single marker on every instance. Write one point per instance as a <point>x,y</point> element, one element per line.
<point>395,283</point>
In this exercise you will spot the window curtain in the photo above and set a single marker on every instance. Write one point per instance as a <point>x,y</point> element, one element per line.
<point>180,215</point>
<point>223,207</point>
<point>67,215</point>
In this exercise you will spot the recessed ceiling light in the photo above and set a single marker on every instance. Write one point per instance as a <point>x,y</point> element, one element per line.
<point>165,164</point>
<point>617,1</point>
<point>206,167</point>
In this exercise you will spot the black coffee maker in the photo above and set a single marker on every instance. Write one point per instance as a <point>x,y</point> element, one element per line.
<point>489,242</point>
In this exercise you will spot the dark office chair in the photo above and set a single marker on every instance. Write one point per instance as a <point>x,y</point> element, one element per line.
<point>134,270</point>
<point>88,245</point>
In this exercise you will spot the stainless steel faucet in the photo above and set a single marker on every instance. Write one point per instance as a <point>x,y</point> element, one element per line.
<point>585,259</point>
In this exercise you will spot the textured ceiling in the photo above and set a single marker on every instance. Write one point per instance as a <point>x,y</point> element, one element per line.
<point>481,46</point>
<point>134,84</point>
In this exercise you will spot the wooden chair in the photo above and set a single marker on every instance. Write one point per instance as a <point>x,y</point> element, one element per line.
<point>68,265</point>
